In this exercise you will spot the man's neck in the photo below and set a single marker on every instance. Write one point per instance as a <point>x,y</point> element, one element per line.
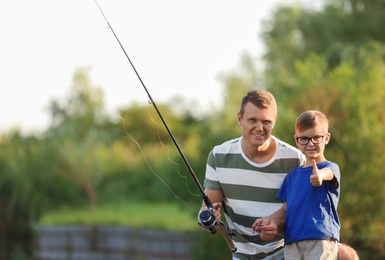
<point>262,153</point>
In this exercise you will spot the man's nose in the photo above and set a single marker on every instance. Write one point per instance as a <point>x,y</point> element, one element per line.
<point>258,125</point>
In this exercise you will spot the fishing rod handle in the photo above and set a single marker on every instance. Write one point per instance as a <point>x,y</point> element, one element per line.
<point>228,239</point>
<point>208,221</point>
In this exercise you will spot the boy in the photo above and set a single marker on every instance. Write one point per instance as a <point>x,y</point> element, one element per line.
<point>310,194</point>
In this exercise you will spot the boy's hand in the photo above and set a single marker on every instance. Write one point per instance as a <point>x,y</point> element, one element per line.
<point>316,177</point>
<point>267,228</point>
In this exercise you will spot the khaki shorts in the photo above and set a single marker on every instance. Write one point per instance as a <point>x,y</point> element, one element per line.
<point>312,249</point>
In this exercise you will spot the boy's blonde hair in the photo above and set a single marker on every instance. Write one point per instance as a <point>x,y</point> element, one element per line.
<point>310,119</point>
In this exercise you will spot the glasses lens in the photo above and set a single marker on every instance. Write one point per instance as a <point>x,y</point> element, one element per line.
<point>303,140</point>
<point>317,139</point>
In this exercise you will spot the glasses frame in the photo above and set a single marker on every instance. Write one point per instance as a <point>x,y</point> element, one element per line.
<point>311,139</point>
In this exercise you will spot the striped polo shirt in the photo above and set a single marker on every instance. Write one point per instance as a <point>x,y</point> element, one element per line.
<point>249,191</point>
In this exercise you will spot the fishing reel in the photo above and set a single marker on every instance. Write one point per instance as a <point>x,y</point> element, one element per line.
<point>208,222</point>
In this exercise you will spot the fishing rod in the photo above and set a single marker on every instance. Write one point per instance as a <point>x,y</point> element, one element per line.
<point>207,217</point>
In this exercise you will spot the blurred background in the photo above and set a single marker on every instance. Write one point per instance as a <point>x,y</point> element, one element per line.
<point>81,149</point>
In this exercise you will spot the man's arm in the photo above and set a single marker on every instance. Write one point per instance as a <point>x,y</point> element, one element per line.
<point>216,199</point>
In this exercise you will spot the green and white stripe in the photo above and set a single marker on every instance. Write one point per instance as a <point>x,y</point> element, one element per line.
<point>249,190</point>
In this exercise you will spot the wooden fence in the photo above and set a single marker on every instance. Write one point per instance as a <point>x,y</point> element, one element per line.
<point>110,243</point>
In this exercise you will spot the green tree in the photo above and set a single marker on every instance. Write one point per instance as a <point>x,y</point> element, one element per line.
<point>294,32</point>
<point>236,84</point>
<point>77,135</point>
<point>81,111</point>
<point>162,167</point>
<point>22,182</point>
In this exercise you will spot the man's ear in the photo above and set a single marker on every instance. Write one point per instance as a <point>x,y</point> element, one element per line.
<point>239,119</point>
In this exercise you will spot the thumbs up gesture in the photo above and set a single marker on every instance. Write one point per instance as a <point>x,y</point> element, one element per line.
<point>316,177</point>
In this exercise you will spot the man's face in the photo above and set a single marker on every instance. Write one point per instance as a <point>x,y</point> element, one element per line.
<point>257,124</point>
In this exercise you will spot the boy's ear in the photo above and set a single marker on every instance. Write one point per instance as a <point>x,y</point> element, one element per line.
<point>327,138</point>
<point>295,139</point>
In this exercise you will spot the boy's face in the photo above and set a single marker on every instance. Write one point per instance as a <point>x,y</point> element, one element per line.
<point>312,150</point>
<point>257,124</point>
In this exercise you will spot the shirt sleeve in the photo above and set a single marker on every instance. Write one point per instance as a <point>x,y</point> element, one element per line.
<point>335,182</point>
<point>281,195</point>
<point>211,178</point>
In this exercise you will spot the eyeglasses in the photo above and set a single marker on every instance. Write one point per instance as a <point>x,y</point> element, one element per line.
<point>315,139</point>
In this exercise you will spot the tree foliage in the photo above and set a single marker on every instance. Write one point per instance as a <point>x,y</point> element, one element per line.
<point>330,59</point>
<point>334,60</point>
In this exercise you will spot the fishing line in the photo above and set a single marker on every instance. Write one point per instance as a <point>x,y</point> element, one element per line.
<point>207,217</point>
<point>170,160</point>
<point>151,101</point>
<point>152,170</point>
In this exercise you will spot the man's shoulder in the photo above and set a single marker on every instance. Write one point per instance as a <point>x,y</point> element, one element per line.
<point>227,146</point>
<point>288,150</point>
<point>286,146</point>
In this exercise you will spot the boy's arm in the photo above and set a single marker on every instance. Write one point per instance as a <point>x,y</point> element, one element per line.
<point>280,217</point>
<point>320,175</point>
<point>272,225</point>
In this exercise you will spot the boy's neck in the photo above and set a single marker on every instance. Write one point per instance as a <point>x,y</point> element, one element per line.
<point>309,161</point>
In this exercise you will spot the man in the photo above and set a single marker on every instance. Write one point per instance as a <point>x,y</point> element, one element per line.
<point>243,176</point>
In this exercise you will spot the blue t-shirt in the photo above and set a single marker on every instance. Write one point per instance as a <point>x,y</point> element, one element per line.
<point>311,212</point>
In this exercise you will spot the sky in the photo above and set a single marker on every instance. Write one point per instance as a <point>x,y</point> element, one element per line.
<point>179,48</point>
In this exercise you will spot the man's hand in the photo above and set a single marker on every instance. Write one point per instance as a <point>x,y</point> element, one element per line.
<point>266,227</point>
<point>316,178</point>
<point>216,209</point>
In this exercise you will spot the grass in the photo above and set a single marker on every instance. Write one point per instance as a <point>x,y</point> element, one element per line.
<point>168,217</point>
